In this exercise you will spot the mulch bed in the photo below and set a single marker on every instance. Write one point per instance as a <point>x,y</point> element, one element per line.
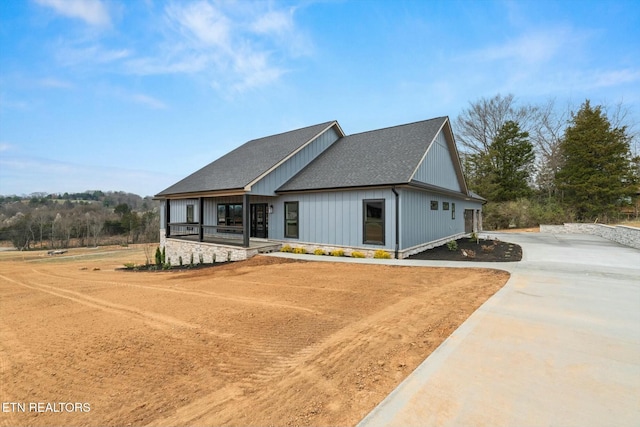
<point>482,250</point>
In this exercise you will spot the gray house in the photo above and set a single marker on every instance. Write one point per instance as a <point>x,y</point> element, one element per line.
<point>399,189</point>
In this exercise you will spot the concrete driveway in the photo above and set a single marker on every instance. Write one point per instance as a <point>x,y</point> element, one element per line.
<point>559,345</point>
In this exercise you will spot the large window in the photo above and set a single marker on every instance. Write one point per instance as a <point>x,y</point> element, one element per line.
<point>230,215</point>
<point>373,222</point>
<point>291,219</point>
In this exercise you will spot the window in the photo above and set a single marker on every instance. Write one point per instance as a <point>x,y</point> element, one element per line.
<point>229,214</point>
<point>434,205</point>
<point>374,222</point>
<point>453,211</point>
<point>445,206</point>
<point>291,219</point>
<point>190,214</point>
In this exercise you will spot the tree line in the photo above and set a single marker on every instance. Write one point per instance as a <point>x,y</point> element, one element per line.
<point>92,218</point>
<point>535,164</point>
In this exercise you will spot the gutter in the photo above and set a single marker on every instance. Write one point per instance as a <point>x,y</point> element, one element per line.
<point>397,220</point>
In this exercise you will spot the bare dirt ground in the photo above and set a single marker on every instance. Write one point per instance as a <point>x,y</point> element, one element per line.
<point>262,342</point>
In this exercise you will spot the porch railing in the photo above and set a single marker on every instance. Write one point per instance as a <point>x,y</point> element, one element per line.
<point>182,229</point>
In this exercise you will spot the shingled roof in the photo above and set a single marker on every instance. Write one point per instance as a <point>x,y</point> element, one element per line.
<point>379,157</point>
<point>240,167</point>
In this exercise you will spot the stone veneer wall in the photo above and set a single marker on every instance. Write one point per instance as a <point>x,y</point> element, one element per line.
<point>629,236</point>
<point>176,248</point>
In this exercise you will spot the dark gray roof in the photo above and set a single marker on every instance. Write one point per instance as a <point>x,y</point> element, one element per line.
<point>241,166</point>
<point>380,157</point>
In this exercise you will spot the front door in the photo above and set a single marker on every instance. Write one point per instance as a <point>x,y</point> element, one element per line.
<point>259,220</point>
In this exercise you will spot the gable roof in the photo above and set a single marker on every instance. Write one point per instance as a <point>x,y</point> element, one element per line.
<point>240,167</point>
<point>386,156</point>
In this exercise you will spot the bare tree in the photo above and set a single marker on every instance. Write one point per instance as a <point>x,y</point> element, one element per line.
<point>478,125</point>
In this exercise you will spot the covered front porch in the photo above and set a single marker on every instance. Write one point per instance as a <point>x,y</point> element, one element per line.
<point>216,227</point>
<point>230,219</point>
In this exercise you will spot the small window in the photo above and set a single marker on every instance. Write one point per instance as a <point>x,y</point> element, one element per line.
<point>373,222</point>
<point>291,219</point>
<point>434,205</point>
<point>445,206</point>
<point>453,211</point>
<point>190,214</point>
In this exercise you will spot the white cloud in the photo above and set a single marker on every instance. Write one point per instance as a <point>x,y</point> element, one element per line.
<point>203,21</point>
<point>95,54</point>
<point>614,78</point>
<point>55,83</point>
<point>236,46</point>
<point>149,101</point>
<point>531,48</point>
<point>277,22</point>
<point>93,12</point>
<point>4,146</point>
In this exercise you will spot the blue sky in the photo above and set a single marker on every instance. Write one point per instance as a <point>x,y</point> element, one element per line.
<point>135,95</point>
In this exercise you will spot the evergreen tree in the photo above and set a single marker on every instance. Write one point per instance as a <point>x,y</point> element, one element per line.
<point>513,157</point>
<point>504,171</point>
<point>596,176</point>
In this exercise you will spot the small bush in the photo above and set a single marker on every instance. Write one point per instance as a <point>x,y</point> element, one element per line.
<point>452,245</point>
<point>318,252</point>
<point>129,265</point>
<point>356,254</point>
<point>299,251</point>
<point>158,256</point>
<point>337,252</point>
<point>381,254</point>
<point>286,248</point>
<point>201,258</point>
<point>180,260</point>
<point>191,260</point>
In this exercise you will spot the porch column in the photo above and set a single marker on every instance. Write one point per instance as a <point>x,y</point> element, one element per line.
<point>200,219</point>
<point>167,218</point>
<point>246,219</point>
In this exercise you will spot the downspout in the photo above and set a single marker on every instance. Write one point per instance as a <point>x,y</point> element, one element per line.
<point>397,220</point>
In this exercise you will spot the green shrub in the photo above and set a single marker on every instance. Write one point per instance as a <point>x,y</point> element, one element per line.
<point>356,254</point>
<point>452,245</point>
<point>180,260</point>
<point>337,252</point>
<point>318,252</point>
<point>191,260</point>
<point>286,248</point>
<point>158,256</point>
<point>381,254</point>
<point>164,255</point>
<point>299,251</point>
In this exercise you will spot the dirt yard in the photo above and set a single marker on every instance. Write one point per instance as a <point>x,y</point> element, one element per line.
<point>262,342</point>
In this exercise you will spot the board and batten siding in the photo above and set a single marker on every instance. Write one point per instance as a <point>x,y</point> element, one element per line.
<point>420,224</point>
<point>437,167</point>
<point>276,178</point>
<point>334,218</point>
